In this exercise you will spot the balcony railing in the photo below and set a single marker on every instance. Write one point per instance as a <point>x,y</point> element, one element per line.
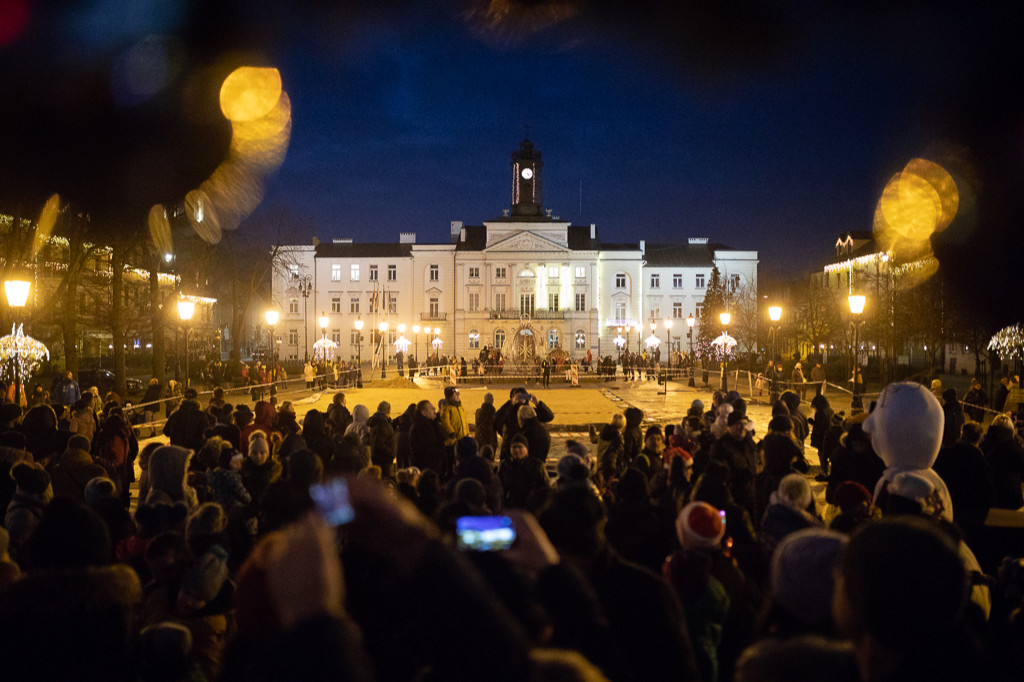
<point>515,314</point>
<point>434,317</point>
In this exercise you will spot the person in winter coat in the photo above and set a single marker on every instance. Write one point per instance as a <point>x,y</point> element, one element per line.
<point>112,450</point>
<point>1005,459</point>
<point>426,439</point>
<point>453,417</point>
<point>632,435</point>
<point>383,441</point>
<point>263,420</point>
<point>953,417</point>
<point>74,469</point>
<point>610,461</point>
<point>485,433</point>
<point>537,438</point>
<point>819,425</point>
<point>151,404</point>
<point>403,431</point>
<point>975,401</point>
<point>168,470</point>
<point>31,495</point>
<point>358,428</point>
<point>186,425</point>
<point>338,416</point>
<point>225,481</point>
<point>788,511</point>
<point>797,378</point>
<point>259,469</point>
<point>506,420</point>
<point>316,435</point>
<point>523,478</point>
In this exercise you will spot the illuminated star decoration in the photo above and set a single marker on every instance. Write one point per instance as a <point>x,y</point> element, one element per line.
<point>1008,342</point>
<point>25,352</point>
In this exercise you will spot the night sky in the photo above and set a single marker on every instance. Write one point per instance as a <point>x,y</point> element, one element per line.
<point>768,126</point>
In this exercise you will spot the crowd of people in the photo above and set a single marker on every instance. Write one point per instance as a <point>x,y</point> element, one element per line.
<point>691,550</point>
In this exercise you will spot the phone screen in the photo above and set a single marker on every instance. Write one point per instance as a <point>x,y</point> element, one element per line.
<point>332,502</point>
<point>484,533</point>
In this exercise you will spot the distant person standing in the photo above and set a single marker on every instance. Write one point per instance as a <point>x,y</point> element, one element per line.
<point>818,377</point>
<point>66,390</point>
<point>975,401</point>
<point>797,378</point>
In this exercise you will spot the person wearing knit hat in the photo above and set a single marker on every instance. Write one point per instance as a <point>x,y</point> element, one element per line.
<point>203,580</point>
<point>787,511</point>
<point>801,581</point>
<point>696,409</point>
<point>781,424</point>
<point>98,489</point>
<point>32,493</point>
<point>854,502</point>
<point>163,652</point>
<point>700,526</point>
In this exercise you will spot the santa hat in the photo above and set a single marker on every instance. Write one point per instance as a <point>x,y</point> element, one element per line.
<point>700,526</point>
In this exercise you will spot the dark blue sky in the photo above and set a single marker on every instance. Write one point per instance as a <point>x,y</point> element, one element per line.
<point>407,122</point>
<point>770,126</point>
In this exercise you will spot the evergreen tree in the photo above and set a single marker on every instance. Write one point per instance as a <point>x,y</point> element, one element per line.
<point>710,327</point>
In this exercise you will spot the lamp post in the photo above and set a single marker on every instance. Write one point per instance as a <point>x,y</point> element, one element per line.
<point>359,353</point>
<point>416,337</point>
<point>654,327</point>
<point>856,302</point>
<point>402,348</point>
<point>272,317</point>
<point>690,321</point>
<point>620,343</point>
<point>668,339</point>
<point>725,318</point>
<point>305,289</point>
<point>186,308</point>
<point>383,328</point>
<point>17,297</point>
<point>774,314</point>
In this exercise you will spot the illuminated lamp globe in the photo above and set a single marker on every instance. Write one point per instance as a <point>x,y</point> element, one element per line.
<point>186,309</point>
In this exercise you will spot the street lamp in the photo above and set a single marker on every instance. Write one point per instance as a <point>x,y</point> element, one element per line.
<point>774,314</point>
<point>690,321</point>
<point>186,308</point>
<point>416,336</point>
<point>359,353</point>
<point>17,297</point>
<point>668,338</point>
<point>383,328</point>
<point>272,317</point>
<point>856,302</point>
<point>725,318</point>
<point>305,289</point>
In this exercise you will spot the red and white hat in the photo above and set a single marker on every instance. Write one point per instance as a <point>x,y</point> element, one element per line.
<point>700,526</point>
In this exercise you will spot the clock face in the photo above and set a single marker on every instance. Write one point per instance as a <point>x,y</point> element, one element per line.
<point>527,173</point>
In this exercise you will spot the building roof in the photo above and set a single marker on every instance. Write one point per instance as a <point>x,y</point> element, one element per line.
<point>579,238</point>
<point>627,246</point>
<point>362,250</point>
<point>476,238</point>
<point>684,255</point>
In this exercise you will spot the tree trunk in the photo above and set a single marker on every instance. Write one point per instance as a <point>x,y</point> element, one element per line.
<point>156,305</point>
<point>117,317</point>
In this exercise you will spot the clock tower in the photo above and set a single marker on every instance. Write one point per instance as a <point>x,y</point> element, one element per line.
<point>526,174</point>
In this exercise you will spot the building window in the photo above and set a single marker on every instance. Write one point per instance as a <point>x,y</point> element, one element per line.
<point>655,281</point>
<point>373,273</point>
<point>474,273</point>
<point>353,304</point>
<point>393,304</point>
<point>500,302</point>
<point>677,281</point>
<point>474,302</point>
<point>435,307</point>
<point>581,303</point>
<point>700,310</point>
<point>700,281</point>
<point>677,311</point>
<point>354,273</point>
<point>552,301</point>
<point>353,337</point>
<point>474,339</point>
<point>336,336</point>
<point>293,271</point>
<point>552,339</point>
<point>620,311</point>
<point>336,304</point>
<point>527,304</point>
<point>500,273</point>
<point>336,273</point>
<point>499,338</point>
<point>620,280</point>
<point>392,273</point>
<point>553,272</point>
<point>655,313</point>
<point>293,306</point>
<point>734,283</point>
<point>581,272</point>
<point>293,337</point>
<point>581,339</point>
<point>435,273</point>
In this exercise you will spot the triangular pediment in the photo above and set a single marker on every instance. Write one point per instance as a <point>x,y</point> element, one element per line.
<point>526,241</point>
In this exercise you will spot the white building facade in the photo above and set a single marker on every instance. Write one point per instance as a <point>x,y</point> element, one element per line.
<point>476,289</point>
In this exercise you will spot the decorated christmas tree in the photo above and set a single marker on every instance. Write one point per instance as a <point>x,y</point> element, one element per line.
<point>709,326</point>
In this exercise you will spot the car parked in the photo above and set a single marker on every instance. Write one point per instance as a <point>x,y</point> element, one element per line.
<point>105,380</point>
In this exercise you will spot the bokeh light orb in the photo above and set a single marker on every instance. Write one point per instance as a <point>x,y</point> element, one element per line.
<point>250,92</point>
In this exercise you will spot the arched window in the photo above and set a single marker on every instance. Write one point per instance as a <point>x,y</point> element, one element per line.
<point>552,338</point>
<point>499,338</point>
<point>527,273</point>
<point>581,339</point>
